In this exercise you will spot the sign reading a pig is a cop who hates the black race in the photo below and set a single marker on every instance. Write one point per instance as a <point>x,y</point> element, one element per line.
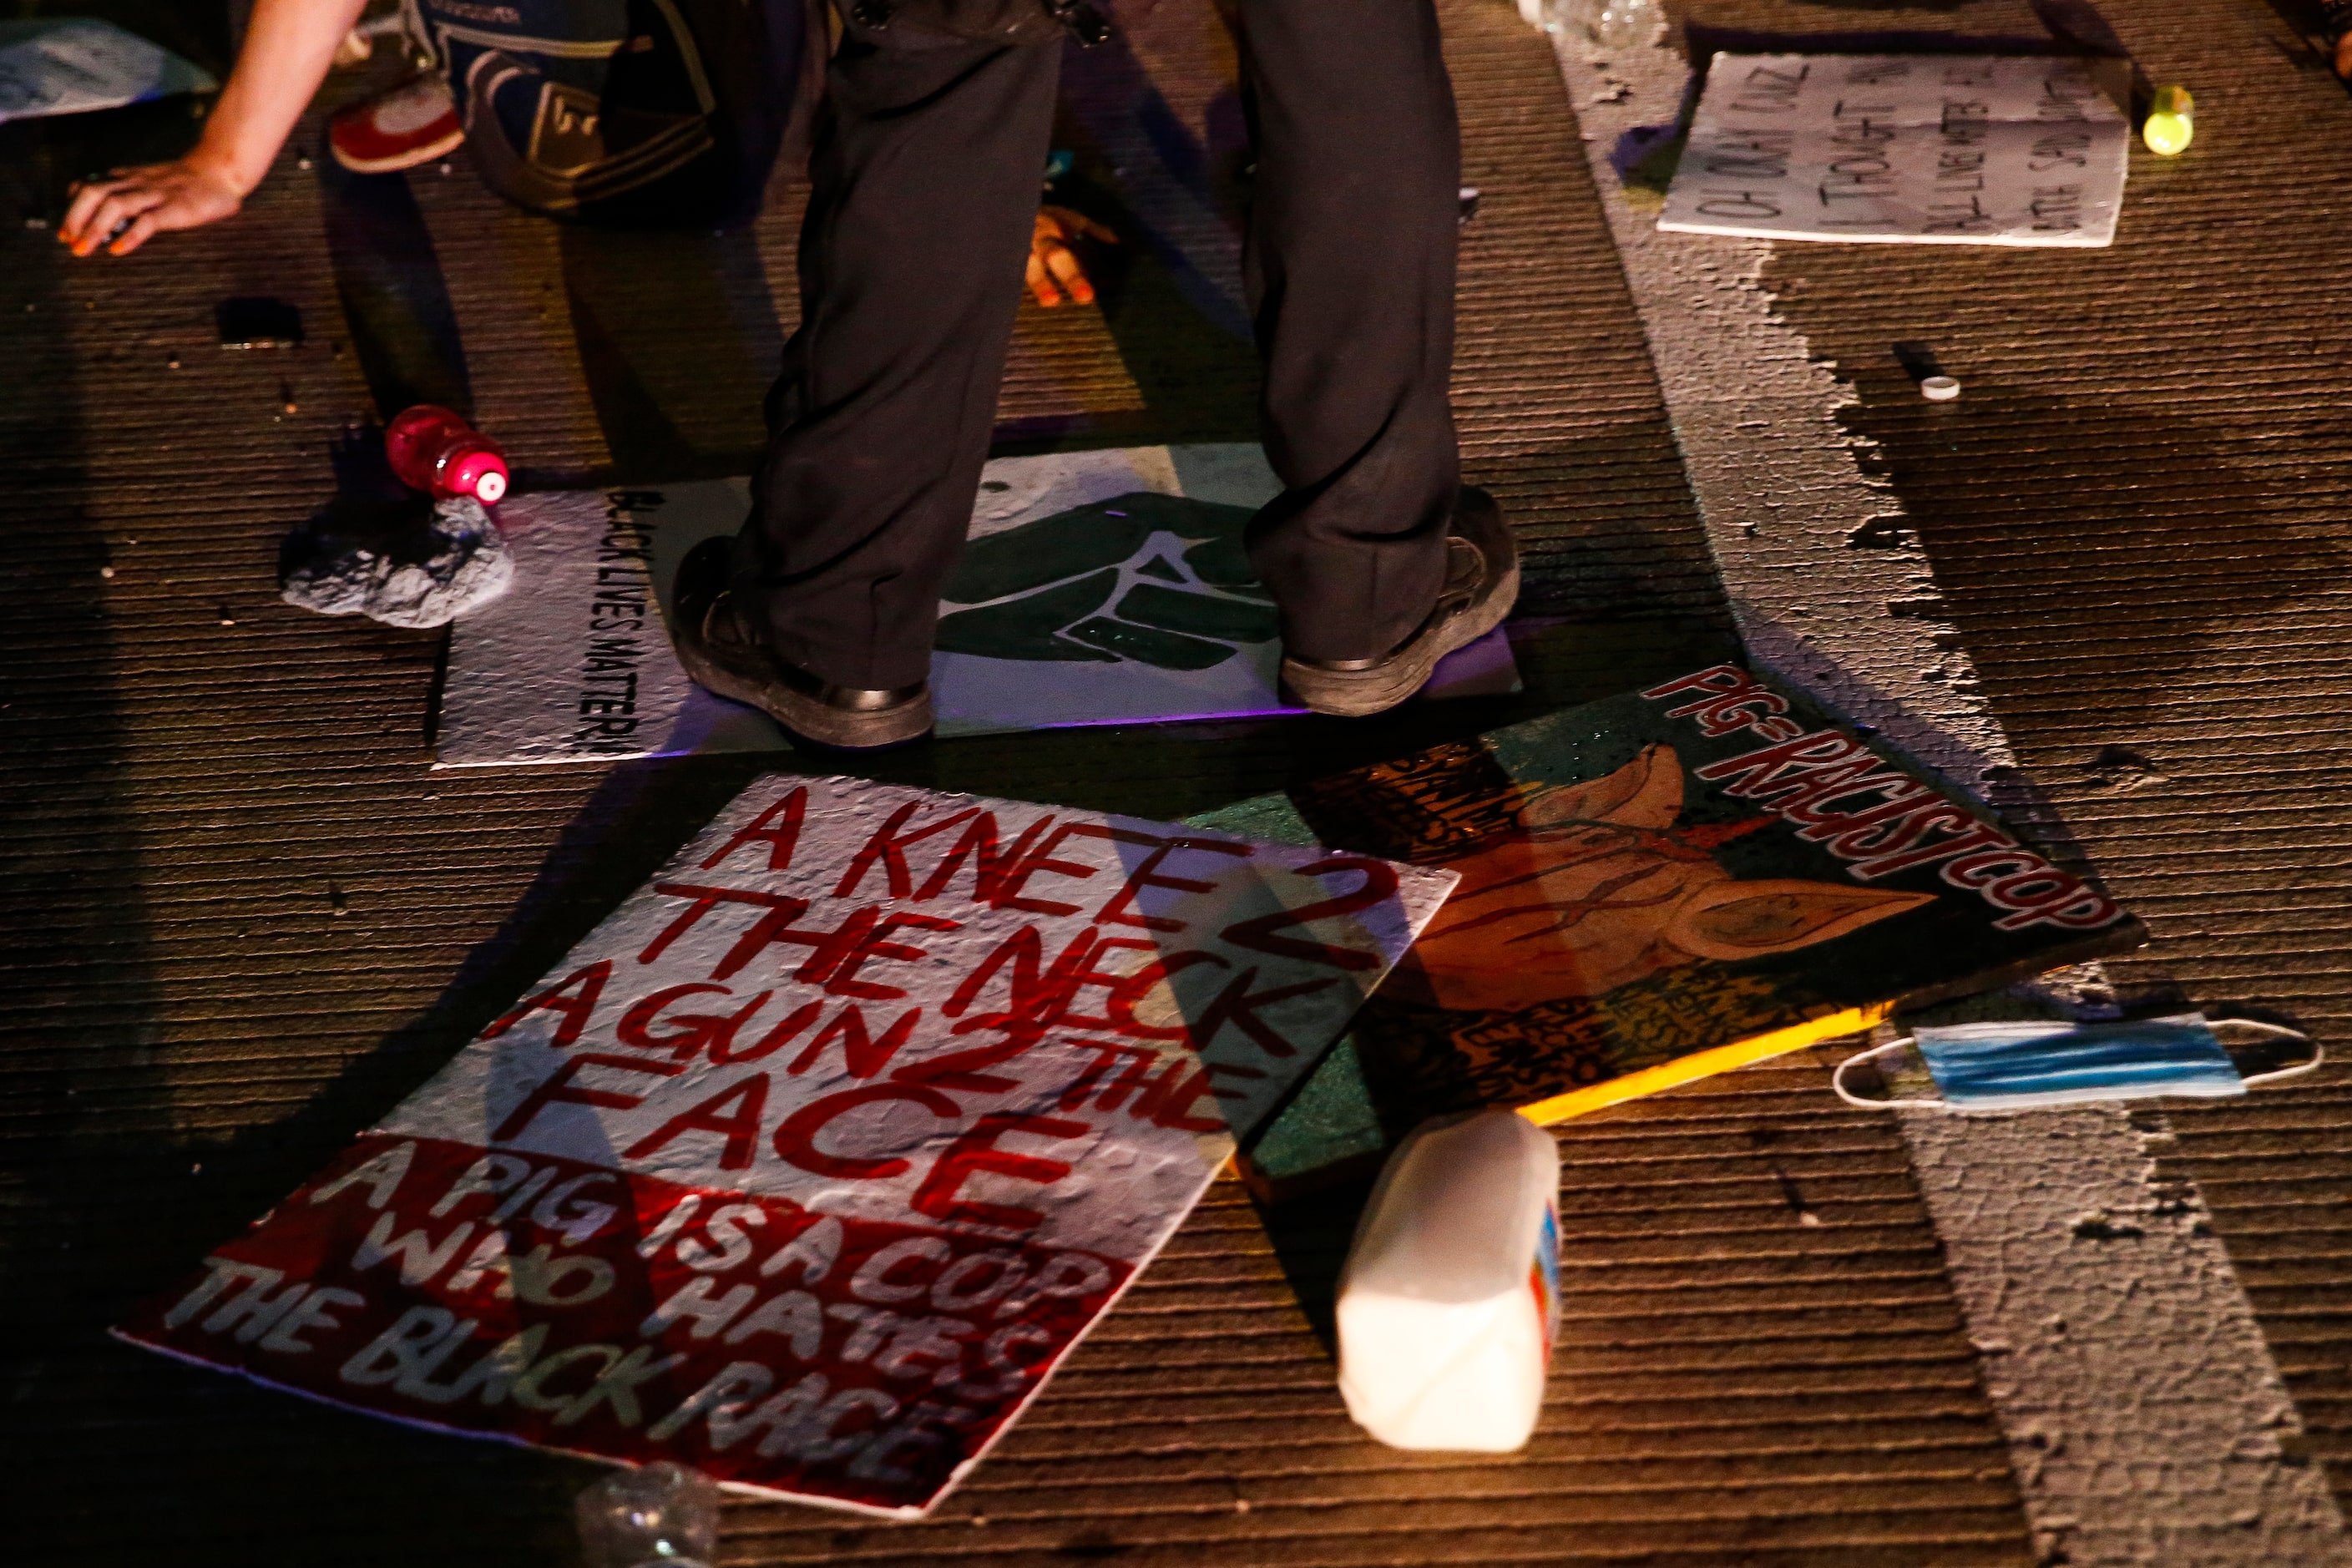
<point>811,1162</point>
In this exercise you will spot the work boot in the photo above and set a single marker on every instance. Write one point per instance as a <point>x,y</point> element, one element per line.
<point>1482,583</point>
<point>720,652</point>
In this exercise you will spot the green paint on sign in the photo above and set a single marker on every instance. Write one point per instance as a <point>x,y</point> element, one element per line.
<point>1148,645</point>
<point>1038,592</point>
<point>1028,628</point>
<point>1229,620</point>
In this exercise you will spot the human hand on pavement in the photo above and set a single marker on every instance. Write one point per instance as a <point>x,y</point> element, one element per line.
<point>1055,267</point>
<point>146,201</point>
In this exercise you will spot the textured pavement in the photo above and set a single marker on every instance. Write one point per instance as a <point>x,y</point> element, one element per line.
<point>242,918</point>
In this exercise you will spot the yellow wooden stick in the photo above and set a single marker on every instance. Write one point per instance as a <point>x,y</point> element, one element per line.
<point>1723,1058</point>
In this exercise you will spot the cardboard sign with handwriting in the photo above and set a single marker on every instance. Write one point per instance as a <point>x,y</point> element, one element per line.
<point>809,1164</point>
<point>1912,149</point>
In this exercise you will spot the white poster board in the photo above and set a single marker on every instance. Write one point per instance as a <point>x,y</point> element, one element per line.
<point>1098,588</point>
<point>72,64</point>
<point>815,1159</point>
<point>1908,149</point>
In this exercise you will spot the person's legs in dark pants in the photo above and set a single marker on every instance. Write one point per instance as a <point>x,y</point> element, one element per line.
<point>925,180</point>
<point>1350,280</point>
<point>925,177</point>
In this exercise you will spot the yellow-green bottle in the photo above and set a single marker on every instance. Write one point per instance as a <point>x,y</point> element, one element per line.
<point>2170,122</point>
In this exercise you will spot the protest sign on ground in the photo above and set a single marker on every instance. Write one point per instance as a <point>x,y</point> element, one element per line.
<point>1655,887</point>
<point>72,64</point>
<point>1098,587</point>
<point>809,1164</point>
<point>1915,149</point>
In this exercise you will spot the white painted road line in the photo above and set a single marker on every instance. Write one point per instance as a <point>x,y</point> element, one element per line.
<point>2147,1422</point>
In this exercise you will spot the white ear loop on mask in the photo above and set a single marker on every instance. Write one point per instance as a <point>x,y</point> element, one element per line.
<point>2277,1031</point>
<point>1837,1081</point>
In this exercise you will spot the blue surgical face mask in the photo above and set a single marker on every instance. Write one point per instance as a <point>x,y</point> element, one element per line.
<point>2012,1067</point>
<point>2018,1065</point>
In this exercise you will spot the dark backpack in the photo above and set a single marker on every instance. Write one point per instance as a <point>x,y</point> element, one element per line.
<point>646,112</point>
<point>998,21</point>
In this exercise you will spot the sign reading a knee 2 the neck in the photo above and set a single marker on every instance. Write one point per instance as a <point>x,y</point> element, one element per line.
<point>809,1164</point>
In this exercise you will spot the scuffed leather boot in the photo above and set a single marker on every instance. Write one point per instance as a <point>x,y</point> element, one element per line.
<point>721,654</point>
<point>1482,583</point>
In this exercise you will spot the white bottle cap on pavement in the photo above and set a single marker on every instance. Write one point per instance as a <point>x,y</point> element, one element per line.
<point>1940,388</point>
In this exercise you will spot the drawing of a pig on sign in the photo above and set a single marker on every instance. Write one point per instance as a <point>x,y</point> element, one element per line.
<point>1598,888</point>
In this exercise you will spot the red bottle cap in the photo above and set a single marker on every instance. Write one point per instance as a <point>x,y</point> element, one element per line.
<point>474,470</point>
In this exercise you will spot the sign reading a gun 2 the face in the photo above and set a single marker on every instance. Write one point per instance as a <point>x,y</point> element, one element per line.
<point>808,1165</point>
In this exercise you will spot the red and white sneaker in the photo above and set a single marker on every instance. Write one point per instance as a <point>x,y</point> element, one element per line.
<point>413,123</point>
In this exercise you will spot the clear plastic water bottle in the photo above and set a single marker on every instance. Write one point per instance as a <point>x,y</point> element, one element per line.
<point>1609,26</point>
<point>657,1516</point>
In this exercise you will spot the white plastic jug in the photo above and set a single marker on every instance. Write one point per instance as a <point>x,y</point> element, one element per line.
<point>1451,1295</point>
